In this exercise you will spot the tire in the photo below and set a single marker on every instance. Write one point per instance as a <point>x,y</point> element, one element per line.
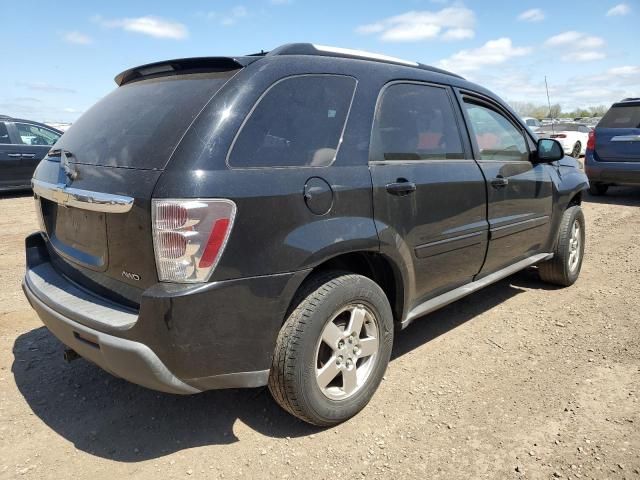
<point>341,299</point>
<point>598,189</point>
<point>564,268</point>
<point>575,153</point>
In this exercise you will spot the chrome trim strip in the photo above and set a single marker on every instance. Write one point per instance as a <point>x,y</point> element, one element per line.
<point>626,138</point>
<point>84,199</point>
<point>449,297</point>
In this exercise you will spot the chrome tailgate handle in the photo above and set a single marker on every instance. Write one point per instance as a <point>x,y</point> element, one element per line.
<point>83,199</point>
<point>626,138</point>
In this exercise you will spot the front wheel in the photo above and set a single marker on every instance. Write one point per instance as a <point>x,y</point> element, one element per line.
<point>564,268</point>
<point>333,349</point>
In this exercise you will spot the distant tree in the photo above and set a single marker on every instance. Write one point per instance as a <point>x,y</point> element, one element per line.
<point>555,111</point>
<point>598,111</point>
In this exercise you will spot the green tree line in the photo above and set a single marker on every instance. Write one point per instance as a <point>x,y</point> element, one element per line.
<point>530,109</point>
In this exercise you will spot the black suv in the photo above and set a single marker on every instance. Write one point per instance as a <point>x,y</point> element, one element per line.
<point>272,219</point>
<point>23,143</point>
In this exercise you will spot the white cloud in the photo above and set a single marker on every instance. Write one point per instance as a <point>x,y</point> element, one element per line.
<point>77,38</point>
<point>452,23</point>
<point>605,87</point>
<point>577,46</point>
<point>532,15</point>
<point>232,16</point>
<point>148,25</point>
<point>619,10</point>
<point>45,87</point>
<point>494,52</point>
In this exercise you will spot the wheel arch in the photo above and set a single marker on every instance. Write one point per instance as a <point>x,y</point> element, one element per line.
<point>373,265</point>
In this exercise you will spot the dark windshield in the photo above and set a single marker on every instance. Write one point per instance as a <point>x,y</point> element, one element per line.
<point>622,116</point>
<point>139,124</point>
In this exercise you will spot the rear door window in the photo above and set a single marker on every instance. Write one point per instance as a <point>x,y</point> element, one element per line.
<point>415,122</point>
<point>34,135</point>
<point>298,122</point>
<point>139,124</point>
<point>621,116</point>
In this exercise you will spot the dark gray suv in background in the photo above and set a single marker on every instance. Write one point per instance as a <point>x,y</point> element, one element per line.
<point>272,219</point>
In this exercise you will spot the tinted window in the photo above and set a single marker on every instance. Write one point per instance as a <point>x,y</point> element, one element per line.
<point>140,124</point>
<point>496,136</point>
<point>415,122</point>
<point>4,134</point>
<point>33,135</point>
<point>298,122</point>
<point>621,116</point>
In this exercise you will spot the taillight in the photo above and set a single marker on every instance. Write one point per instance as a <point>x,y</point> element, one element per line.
<point>591,141</point>
<point>189,237</point>
<point>559,135</point>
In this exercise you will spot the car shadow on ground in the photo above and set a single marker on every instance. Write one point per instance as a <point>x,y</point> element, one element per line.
<point>111,418</point>
<point>627,196</point>
<point>15,194</point>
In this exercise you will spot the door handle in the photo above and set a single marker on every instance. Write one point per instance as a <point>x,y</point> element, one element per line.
<point>401,187</point>
<point>28,155</point>
<point>499,182</point>
<point>14,155</point>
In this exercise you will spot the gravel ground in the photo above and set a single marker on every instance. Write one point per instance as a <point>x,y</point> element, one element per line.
<point>520,380</point>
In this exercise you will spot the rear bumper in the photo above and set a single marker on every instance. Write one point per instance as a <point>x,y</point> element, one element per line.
<point>183,340</point>
<point>618,173</point>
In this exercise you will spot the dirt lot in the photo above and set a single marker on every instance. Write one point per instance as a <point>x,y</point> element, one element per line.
<point>517,381</point>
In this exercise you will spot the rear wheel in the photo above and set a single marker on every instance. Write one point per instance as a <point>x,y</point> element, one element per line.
<point>333,349</point>
<point>576,150</point>
<point>598,189</point>
<point>564,268</point>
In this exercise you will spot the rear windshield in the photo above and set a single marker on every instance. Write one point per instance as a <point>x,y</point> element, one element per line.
<point>622,116</point>
<point>139,124</point>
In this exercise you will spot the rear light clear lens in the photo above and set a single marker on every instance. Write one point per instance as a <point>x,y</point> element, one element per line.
<point>591,141</point>
<point>189,236</point>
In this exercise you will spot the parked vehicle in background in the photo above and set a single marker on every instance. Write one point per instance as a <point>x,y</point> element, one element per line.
<point>613,150</point>
<point>62,126</point>
<point>23,143</point>
<point>272,219</point>
<point>572,136</point>
<point>533,123</point>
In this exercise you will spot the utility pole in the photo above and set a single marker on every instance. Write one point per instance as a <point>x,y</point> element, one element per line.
<point>549,103</point>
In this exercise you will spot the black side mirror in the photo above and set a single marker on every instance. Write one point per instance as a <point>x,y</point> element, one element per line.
<point>549,150</point>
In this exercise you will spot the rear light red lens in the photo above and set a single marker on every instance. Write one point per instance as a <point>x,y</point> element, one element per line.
<point>591,141</point>
<point>216,239</point>
<point>559,135</point>
<point>171,244</point>
<point>171,216</point>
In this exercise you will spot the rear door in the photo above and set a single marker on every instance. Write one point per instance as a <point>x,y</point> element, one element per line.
<point>429,194</point>
<point>520,193</point>
<point>618,134</point>
<point>32,143</point>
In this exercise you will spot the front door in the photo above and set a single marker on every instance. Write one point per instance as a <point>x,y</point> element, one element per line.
<point>429,194</point>
<point>520,193</point>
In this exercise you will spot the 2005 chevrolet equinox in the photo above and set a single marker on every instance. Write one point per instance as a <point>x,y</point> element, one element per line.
<point>272,219</point>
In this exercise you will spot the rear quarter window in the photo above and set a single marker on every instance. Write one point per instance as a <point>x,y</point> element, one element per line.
<point>298,122</point>
<point>621,116</point>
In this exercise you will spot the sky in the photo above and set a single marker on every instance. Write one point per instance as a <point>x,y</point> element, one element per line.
<point>60,57</point>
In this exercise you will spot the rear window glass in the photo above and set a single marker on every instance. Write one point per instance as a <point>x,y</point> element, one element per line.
<point>415,122</point>
<point>139,124</point>
<point>298,122</point>
<point>621,116</point>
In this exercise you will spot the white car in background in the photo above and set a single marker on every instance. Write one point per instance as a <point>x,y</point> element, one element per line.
<point>533,123</point>
<point>572,136</point>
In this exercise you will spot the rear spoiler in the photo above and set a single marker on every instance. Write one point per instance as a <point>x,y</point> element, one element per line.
<point>184,65</point>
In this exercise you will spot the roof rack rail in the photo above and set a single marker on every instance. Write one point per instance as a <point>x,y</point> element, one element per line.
<point>327,51</point>
<point>630,99</point>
